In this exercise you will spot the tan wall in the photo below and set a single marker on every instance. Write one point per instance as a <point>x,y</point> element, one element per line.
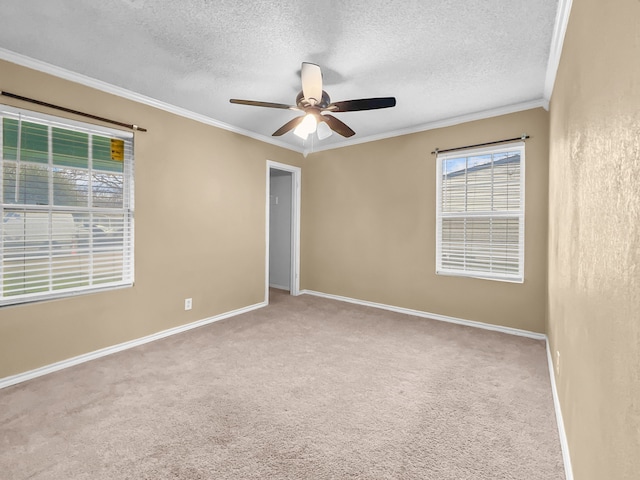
<point>594,238</point>
<point>199,217</point>
<point>368,225</point>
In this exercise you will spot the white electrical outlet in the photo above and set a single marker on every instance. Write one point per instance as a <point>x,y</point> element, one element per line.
<point>187,304</point>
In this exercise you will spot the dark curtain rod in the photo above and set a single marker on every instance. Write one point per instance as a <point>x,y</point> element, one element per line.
<point>523,137</point>
<point>75,112</point>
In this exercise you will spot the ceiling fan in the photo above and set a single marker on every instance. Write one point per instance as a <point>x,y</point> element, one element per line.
<point>317,107</point>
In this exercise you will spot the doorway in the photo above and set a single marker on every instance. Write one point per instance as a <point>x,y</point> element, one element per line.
<point>282,228</point>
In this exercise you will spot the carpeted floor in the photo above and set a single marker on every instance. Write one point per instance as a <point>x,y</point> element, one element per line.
<point>307,388</point>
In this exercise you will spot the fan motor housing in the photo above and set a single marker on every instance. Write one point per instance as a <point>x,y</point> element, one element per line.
<point>302,102</point>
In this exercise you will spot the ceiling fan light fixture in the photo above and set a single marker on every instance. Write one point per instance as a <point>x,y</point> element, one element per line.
<point>306,127</point>
<point>314,101</point>
<point>323,131</point>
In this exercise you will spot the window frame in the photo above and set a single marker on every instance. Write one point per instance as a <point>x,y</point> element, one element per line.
<point>127,210</point>
<point>466,214</point>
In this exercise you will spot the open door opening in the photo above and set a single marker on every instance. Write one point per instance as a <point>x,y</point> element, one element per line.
<point>282,228</point>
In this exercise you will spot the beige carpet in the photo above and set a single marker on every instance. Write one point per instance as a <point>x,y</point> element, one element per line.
<point>306,388</point>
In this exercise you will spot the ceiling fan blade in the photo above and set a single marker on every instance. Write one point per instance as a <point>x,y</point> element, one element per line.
<point>311,77</point>
<point>290,125</point>
<point>338,126</point>
<point>362,104</point>
<point>263,104</point>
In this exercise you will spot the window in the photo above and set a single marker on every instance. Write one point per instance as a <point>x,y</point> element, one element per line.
<point>480,213</point>
<point>67,207</point>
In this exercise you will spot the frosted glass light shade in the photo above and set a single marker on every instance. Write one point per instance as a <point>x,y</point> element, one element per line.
<point>323,131</point>
<point>307,126</point>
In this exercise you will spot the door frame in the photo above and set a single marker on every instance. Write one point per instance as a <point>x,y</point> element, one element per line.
<point>296,174</point>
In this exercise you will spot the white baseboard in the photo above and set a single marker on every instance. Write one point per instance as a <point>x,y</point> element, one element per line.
<point>279,287</point>
<point>564,444</point>
<point>54,367</point>
<point>433,316</point>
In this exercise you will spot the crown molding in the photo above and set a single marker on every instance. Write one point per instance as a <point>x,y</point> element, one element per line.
<point>557,41</point>
<point>86,81</point>
<point>447,122</point>
<point>102,86</point>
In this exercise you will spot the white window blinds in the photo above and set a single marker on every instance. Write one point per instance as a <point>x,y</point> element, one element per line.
<point>480,213</point>
<point>67,207</point>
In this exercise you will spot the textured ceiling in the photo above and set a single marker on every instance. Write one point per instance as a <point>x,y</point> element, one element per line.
<point>441,59</point>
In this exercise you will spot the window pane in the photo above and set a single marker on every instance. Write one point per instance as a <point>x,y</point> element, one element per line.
<point>108,229</point>
<point>107,190</point>
<point>70,148</point>
<point>34,141</point>
<point>25,229</point>
<point>70,187</point>
<point>454,165</point>
<point>40,253</point>
<point>9,138</point>
<point>24,274</point>
<point>506,183</point>
<point>84,241</point>
<point>69,267</point>
<point>26,249</point>
<point>102,154</point>
<point>454,185</point>
<point>108,237</point>
<point>26,183</point>
<point>480,188</point>
<point>107,266</point>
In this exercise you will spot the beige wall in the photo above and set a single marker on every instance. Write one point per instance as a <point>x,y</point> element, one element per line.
<point>594,238</point>
<point>368,225</point>
<point>199,216</point>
